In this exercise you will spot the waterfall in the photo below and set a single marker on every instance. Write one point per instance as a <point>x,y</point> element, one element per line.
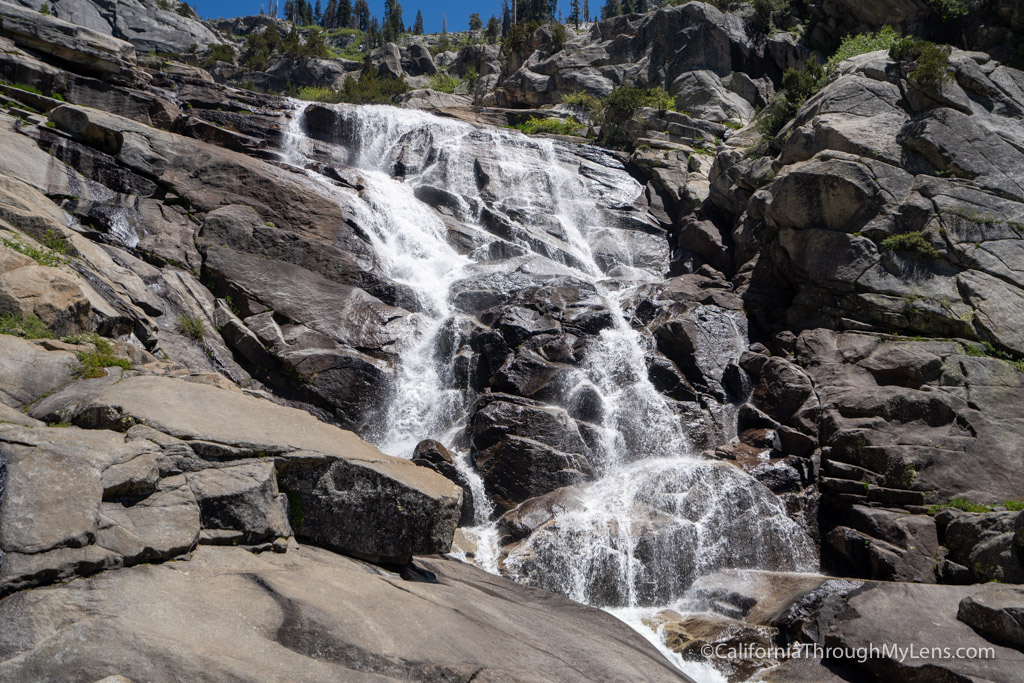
<point>444,204</point>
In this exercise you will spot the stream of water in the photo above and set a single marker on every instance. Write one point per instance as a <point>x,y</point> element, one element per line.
<point>658,515</point>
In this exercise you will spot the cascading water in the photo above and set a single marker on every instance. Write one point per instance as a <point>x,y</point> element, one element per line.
<point>656,517</point>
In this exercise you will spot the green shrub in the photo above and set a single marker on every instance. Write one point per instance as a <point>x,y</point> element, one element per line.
<point>558,37</point>
<point>185,11</point>
<point>950,9</point>
<point>988,350</point>
<point>313,93</point>
<point>913,242</point>
<point>443,82</point>
<point>191,327</point>
<point>624,101</point>
<point>27,326</point>
<point>925,64</point>
<point>369,88</point>
<point>767,11</point>
<point>92,364</point>
<point>221,53</point>
<point>88,338</point>
<point>554,126</point>
<point>1014,505</point>
<point>55,242</point>
<point>861,44</point>
<point>798,85</point>
<point>44,257</point>
<point>585,101</point>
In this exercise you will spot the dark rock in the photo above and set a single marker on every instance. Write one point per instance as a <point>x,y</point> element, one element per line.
<point>997,613</point>
<point>387,60</point>
<point>420,61</point>
<point>984,542</point>
<point>242,498</point>
<point>434,455</point>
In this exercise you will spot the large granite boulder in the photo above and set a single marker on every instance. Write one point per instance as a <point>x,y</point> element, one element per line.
<point>334,481</point>
<point>290,616</point>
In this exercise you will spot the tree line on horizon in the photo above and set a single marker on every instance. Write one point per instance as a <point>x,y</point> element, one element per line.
<point>342,14</point>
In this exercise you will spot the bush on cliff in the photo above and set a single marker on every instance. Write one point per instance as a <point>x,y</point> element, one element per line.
<point>624,102</point>
<point>553,126</point>
<point>799,85</point>
<point>925,64</point>
<point>369,88</point>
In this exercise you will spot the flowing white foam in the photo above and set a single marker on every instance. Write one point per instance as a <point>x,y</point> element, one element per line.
<point>657,517</point>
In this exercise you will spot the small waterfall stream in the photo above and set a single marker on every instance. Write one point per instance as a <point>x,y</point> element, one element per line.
<point>657,515</point>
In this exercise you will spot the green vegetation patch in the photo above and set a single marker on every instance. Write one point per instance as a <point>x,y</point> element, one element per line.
<point>192,327</point>
<point>950,9</point>
<point>54,251</point>
<point>93,364</point>
<point>368,88</point>
<point>553,126</point>
<point>625,101</point>
<point>959,504</point>
<point>585,101</point>
<point>913,242</point>
<point>442,81</point>
<point>861,44</point>
<point>27,326</point>
<point>925,64</point>
<point>987,350</point>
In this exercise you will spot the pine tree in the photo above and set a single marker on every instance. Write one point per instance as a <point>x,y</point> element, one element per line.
<point>493,29</point>
<point>362,13</point>
<point>417,26</point>
<point>586,11</point>
<point>611,9</point>
<point>331,15</point>
<point>289,10</point>
<point>475,23</point>
<point>506,18</point>
<point>343,19</point>
<point>373,36</point>
<point>318,13</point>
<point>574,13</point>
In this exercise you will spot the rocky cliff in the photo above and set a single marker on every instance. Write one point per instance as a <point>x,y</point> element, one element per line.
<point>269,367</point>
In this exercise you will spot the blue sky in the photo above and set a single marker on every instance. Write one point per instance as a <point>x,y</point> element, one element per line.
<point>457,11</point>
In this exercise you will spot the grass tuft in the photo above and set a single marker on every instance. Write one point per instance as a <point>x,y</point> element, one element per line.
<point>192,327</point>
<point>26,326</point>
<point>53,256</point>
<point>959,504</point>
